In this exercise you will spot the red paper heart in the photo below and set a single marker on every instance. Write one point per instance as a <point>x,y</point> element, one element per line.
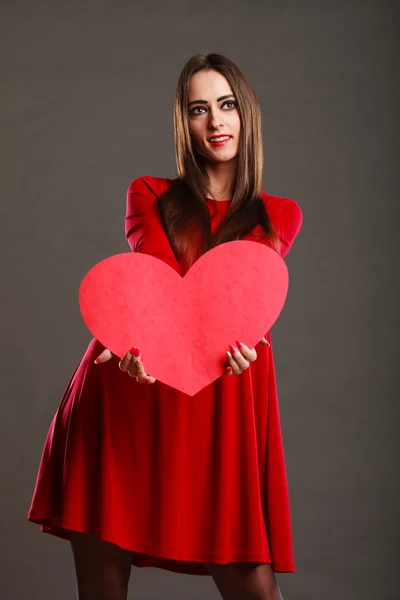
<point>184,325</point>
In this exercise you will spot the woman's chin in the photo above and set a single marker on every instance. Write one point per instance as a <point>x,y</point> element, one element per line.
<point>223,159</point>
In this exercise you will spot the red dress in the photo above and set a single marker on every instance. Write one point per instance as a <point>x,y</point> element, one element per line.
<point>178,481</point>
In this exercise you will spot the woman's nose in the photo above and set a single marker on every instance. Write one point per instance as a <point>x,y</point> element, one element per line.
<point>214,120</point>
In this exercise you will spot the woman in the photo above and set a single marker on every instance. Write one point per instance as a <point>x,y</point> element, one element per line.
<point>143,474</point>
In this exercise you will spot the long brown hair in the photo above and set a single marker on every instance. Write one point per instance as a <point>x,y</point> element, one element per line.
<point>183,208</point>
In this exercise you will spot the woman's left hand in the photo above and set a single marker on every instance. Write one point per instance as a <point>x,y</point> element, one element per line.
<point>240,357</point>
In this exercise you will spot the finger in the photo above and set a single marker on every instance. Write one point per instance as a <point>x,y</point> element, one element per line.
<point>140,372</point>
<point>141,375</point>
<point>239,358</point>
<point>249,353</point>
<point>264,341</point>
<point>228,371</point>
<point>104,356</point>
<point>138,368</point>
<point>233,364</point>
<point>126,361</point>
<point>133,367</point>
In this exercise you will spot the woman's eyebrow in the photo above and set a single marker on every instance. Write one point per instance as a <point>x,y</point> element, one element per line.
<point>206,102</point>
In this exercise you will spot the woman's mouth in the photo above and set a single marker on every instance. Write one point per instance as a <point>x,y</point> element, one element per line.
<point>219,140</point>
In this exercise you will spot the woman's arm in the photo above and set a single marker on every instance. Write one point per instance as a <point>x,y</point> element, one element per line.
<point>143,228</point>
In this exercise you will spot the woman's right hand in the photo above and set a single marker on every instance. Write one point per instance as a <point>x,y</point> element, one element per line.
<point>130,363</point>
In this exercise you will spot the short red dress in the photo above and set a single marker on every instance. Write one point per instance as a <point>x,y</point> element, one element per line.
<point>178,480</point>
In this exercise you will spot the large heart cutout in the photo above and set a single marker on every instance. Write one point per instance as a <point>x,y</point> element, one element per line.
<point>184,325</point>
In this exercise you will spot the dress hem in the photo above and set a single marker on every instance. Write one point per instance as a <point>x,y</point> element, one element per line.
<point>150,552</point>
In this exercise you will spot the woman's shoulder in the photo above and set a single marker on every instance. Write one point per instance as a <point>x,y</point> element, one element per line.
<point>149,185</point>
<point>282,210</point>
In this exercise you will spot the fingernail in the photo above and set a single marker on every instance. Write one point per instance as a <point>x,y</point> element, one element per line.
<point>232,348</point>
<point>132,350</point>
<point>240,344</point>
<point>229,369</point>
<point>96,362</point>
<point>137,351</point>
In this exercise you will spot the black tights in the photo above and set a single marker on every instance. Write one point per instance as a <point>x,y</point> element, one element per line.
<point>103,571</point>
<point>245,581</point>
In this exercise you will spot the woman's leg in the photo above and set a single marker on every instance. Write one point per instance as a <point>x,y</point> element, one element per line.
<point>245,581</point>
<point>102,569</point>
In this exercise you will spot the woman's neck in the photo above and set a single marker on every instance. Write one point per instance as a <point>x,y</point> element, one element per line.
<point>222,178</point>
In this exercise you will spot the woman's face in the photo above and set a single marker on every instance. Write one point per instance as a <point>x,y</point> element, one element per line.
<point>212,111</point>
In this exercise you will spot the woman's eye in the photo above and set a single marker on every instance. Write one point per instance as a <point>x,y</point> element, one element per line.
<point>192,112</point>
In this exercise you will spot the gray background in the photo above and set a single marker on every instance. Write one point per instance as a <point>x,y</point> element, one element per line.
<point>86,107</point>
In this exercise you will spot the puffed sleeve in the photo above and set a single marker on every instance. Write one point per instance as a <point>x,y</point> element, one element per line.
<point>286,218</point>
<point>143,228</point>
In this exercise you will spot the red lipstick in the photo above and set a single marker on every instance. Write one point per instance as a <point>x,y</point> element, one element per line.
<point>219,143</point>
